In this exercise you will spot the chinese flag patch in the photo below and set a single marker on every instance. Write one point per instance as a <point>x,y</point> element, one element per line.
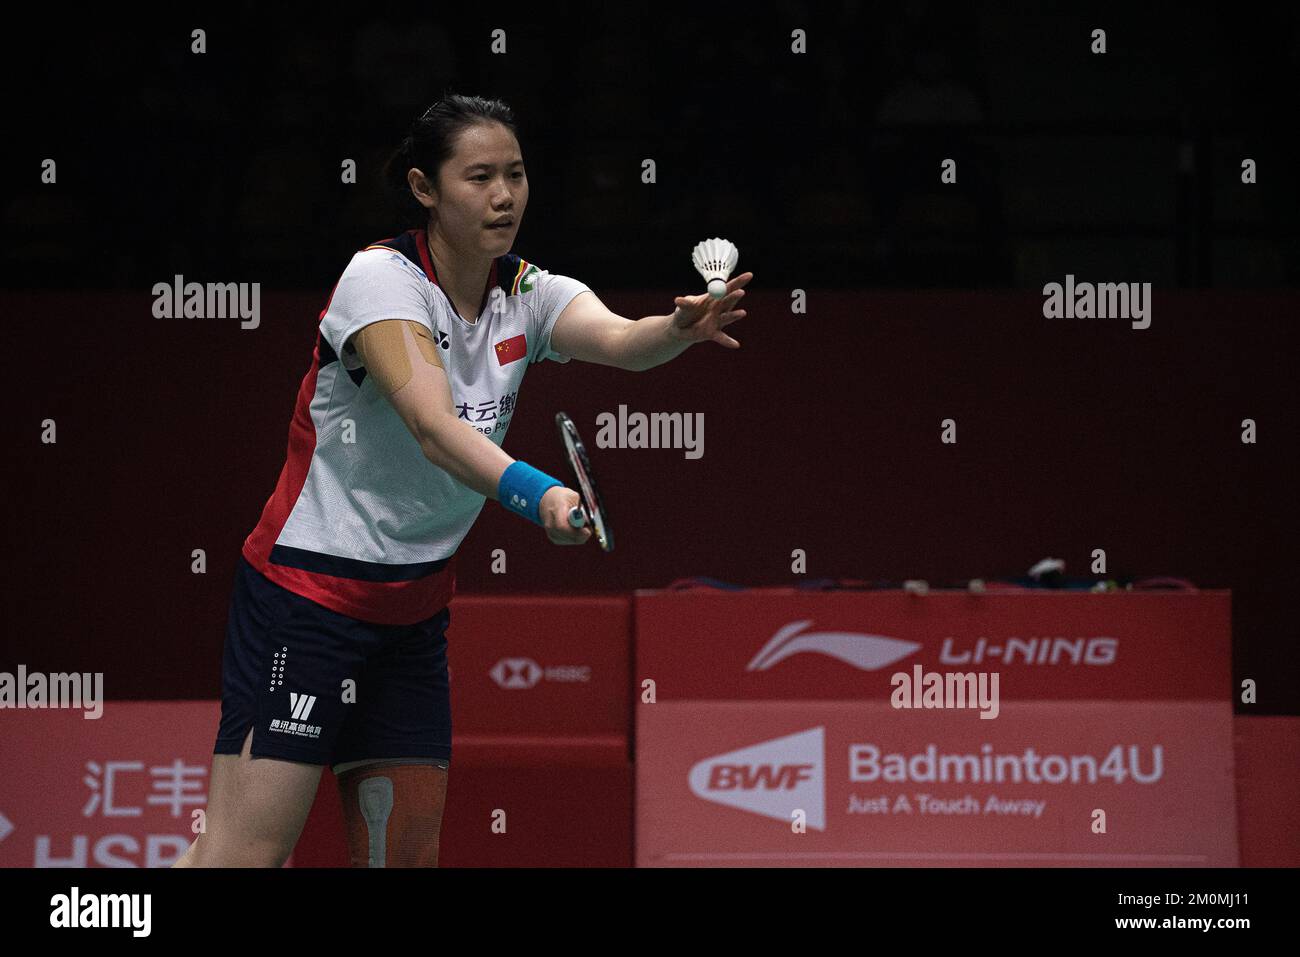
<point>508,350</point>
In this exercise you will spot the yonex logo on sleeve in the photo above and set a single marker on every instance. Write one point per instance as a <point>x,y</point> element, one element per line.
<point>301,705</point>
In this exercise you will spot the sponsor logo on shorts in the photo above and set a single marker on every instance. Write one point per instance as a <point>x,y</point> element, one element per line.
<point>296,728</point>
<point>300,706</point>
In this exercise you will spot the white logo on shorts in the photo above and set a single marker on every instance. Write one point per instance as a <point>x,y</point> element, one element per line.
<point>301,704</point>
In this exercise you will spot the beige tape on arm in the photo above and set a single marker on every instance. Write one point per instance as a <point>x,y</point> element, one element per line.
<point>386,348</point>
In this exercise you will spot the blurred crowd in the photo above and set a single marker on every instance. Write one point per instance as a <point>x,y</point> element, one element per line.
<point>824,167</point>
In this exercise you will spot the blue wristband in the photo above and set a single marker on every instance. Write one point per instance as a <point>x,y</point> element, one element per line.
<point>521,489</point>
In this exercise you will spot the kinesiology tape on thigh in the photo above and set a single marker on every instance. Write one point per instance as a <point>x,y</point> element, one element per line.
<point>393,814</point>
<point>383,347</point>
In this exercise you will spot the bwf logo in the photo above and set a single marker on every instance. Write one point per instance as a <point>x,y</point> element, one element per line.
<point>301,705</point>
<point>775,778</point>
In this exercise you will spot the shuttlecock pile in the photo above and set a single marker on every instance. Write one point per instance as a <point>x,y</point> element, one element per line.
<point>715,259</point>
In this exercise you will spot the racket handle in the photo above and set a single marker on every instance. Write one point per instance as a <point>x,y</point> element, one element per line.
<point>577,517</point>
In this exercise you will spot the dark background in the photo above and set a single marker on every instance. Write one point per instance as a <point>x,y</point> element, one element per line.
<point>821,433</point>
<point>826,163</point>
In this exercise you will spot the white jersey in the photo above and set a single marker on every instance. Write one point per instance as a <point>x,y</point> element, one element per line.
<point>360,521</point>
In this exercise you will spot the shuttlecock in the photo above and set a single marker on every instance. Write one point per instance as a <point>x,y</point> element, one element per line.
<point>715,259</point>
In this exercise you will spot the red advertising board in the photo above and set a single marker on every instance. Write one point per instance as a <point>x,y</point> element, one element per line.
<point>539,666</point>
<point>778,733</point>
<point>120,790</point>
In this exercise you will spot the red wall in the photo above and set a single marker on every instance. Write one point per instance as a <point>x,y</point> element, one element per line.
<point>821,433</point>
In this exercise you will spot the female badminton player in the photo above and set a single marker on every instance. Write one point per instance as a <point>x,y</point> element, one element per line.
<point>336,647</point>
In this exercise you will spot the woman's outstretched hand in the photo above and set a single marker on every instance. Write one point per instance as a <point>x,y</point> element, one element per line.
<point>702,317</point>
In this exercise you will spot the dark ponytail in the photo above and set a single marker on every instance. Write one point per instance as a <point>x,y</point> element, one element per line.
<point>430,142</point>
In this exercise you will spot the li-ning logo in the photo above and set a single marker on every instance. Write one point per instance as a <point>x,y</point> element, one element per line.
<point>862,651</point>
<point>774,778</point>
<point>301,705</point>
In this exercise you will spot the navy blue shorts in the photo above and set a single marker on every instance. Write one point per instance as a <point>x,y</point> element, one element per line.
<point>284,670</point>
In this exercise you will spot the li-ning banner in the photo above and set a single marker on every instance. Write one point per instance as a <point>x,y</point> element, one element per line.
<point>790,728</point>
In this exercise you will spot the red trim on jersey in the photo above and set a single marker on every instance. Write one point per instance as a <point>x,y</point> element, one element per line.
<point>491,284</point>
<point>431,271</point>
<point>422,240</point>
<point>293,476</point>
<point>386,603</point>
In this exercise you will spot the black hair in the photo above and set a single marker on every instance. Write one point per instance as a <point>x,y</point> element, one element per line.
<point>430,142</point>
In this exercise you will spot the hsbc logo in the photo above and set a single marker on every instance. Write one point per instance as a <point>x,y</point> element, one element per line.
<point>862,651</point>
<point>772,779</point>
<point>523,673</point>
<point>516,672</point>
